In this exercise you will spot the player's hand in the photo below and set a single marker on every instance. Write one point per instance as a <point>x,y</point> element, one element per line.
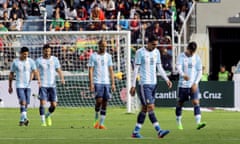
<point>10,90</point>
<point>132,91</point>
<point>186,78</point>
<point>91,87</point>
<point>113,88</point>
<point>39,83</point>
<point>63,81</point>
<point>169,84</point>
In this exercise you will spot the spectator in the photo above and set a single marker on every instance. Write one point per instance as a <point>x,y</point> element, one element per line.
<point>3,28</point>
<point>57,24</point>
<point>70,13</point>
<point>58,10</point>
<point>15,23</point>
<point>97,15</point>
<point>204,74</point>
<point>35,7</point>
<point>109,7</point>
<point>2,2</point>
<point>82,15</point>
<point>111,23</point>
<point>3,9</point>
<point>166,41</point>
<point>2,37</point>
<point>5,20</point>
<point>61,5</point>
<point>15,10</point>
<point>223,74</point>
<point>146,13</point>
<point>135,26</point>
<point>157,11</point>
<point>123,24</point>
<point>166,60</point>
<point>124,7</point>
<point>156,30</point>
<point>146,9</point>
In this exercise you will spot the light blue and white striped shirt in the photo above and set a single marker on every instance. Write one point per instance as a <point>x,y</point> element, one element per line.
<point>23,71</point>
<point>47,69</point>
<point>190,66</point>
<point>148,61</point>
<point>101,64</point>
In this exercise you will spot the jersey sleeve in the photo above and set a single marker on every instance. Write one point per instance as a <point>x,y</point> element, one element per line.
<point>138,57</point>
<point>33,64</point>
<point>110,63</point>
<point>158,57</point>
<point>13,67</point>
<point>91,61</point>
<point>57,63</point>
<point>179,65</point>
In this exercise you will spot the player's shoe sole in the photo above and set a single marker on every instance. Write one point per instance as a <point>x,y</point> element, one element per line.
<point>136,135</point>
<point>163,133</point>
<point>201,125</point>
<point>49,121</point>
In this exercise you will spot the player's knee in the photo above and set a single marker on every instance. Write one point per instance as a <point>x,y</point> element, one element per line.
<point>144,109</point>
<point>150,107</point>
<point>195,102</point>
<point>179,104</point>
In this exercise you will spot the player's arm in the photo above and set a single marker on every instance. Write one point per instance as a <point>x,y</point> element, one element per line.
<point>180,69</point>
<point>90,75</point>
<point>112,78</point>
<point>36,74</point>
<point>10,79</point>
<point>60,74</point>
<point>164,75</point>
<point>198,75</point>
<point>135,74</point>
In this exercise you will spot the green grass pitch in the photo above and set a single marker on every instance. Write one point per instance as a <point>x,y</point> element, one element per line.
<point>75,126</point>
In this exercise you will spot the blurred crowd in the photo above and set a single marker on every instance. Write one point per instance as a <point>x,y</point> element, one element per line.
<point>141,17</point>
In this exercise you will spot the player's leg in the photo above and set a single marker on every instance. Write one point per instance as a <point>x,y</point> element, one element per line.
<point>149,92</point>
<point>103,112</point>
<point>197,110</point>
<point>141,115</point>
<point>23,106</point>
<point>140,121</point>
<point>99,91</point>
<point>98,103</point>
<point>106,96</point>
<point>42,99</point>
<point>182,97</point>
<point>52,98</point>
<point>27,95</point>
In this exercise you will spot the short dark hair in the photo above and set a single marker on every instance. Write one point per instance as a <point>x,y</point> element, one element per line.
<point>24,49</point>
<point>46,46</point>
<point>152,38</point>
<point>101,41</point>
<point>192,46</point>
